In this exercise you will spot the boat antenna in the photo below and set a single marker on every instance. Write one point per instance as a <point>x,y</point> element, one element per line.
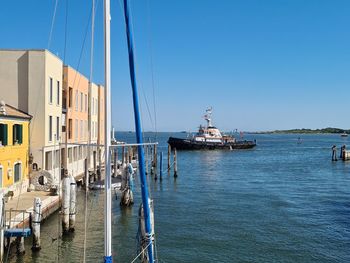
<point>144,188</point>
<point>107,135</point>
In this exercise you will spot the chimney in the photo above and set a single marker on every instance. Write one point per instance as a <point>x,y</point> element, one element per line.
<point>2,108</point>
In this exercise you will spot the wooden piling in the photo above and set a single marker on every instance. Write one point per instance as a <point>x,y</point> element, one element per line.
<point>65,202</point>
<point>86,174</point>
<point>123,155</point>
<point>146,159</point>
<point>155,161</point>
<point>95,161</point>
<point>169,156</point>
<point>115,161</point>
<point>130,154</point>
<point>36,221</point>
<point>175,163</point>
<point>20,245</point>
<point>161,165</point>
<point>72,203</point>
<point>152,158</point>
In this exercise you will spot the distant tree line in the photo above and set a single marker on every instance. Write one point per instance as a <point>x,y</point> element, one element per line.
<point>306,131</point>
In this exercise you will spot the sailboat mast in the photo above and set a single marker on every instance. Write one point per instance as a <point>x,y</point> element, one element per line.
<point>108,201</point>
<point>144,188</point>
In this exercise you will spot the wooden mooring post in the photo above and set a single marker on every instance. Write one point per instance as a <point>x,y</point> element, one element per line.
<point>65,202</point>
<point>169,157</point>
<point>95,165</point>
<point>86,175</point>
<point>175,163</point>
<point>155,161</point>
<point>72,203</point>
<point>36,221</point>
<point>161,166</point>
<point>115,161</point>
<point>123,155</point>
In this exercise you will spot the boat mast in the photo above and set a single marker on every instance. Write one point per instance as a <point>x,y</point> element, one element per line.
<point>108,201</point>
<point>207,117</point>
<point>144,188</point>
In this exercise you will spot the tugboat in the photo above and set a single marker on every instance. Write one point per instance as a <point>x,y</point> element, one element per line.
<point>210,138</point>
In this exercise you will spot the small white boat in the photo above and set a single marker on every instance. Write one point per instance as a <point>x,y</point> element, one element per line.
<point>344,134</point>
<point>100,185</point>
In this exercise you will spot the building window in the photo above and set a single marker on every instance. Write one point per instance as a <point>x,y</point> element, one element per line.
<point>76,100</point>
<point>57,159</point>
<point>58,128</point>
<point>81,101</point>
<point>96,105</point>
<point>17,134</point>
<point>50,91</point>
<point>76,129</point>
<point>80,152</point>
<point>81,129</point>
<point>18,172</point>
<point>75,153</point>
<point>58,92</point>
<point>1,176</point>
<point>48,161</point>
<point>70,155</point>
<point>50,128</point>
<point>3,134</point>
<point>70,129</point>
<point>93,106</point>
<point>86,103</point>
<point>70,97</point>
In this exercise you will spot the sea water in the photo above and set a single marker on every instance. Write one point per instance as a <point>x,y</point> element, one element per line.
<point>283,201</point>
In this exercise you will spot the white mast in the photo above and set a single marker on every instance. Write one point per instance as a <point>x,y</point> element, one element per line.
<point>207,116</point>
<point>108,201</point>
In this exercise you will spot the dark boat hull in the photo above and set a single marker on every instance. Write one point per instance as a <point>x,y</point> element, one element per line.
<point>188,144</point>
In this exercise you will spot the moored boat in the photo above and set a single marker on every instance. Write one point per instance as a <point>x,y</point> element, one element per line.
<point>210,138</point>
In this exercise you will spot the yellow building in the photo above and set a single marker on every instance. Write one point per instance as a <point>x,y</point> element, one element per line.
<point>14,149</point>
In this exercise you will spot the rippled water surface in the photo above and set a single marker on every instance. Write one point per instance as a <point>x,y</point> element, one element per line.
<point>279,202</point>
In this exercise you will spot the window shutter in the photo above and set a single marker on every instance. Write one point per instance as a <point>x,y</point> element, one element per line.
<point>20,134</point>
<point>5,135</point>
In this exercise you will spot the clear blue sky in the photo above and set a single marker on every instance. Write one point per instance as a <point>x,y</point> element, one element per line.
<point>261,65</point>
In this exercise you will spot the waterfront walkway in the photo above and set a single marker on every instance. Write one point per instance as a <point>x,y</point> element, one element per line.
<point>24,201</point>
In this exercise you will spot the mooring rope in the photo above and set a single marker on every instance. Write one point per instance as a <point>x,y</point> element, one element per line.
<point>143,250</point>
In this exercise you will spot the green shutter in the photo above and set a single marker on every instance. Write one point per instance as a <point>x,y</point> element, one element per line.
<point>20,134</point>
<point>13,134</point>
<point>5,134</point>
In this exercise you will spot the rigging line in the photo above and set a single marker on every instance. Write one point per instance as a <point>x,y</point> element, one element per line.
<point>147,106</point>
<point>89,124</point>
<point>83,46</point>
<point>52,24</point>
<point>151,61</point>
<point>143,250</point>
<point>59,145</point>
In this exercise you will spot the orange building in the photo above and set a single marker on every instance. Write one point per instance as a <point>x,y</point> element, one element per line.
<point>75,110</point>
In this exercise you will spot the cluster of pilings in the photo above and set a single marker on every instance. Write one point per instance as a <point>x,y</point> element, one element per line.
<point>343,155</point>
<point>68,208</point>
<point>151,153</point>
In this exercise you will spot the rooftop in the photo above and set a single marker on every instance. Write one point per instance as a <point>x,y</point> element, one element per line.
<point>13,112</point>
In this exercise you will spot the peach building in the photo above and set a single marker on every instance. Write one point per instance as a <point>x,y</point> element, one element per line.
<point>75,111</point>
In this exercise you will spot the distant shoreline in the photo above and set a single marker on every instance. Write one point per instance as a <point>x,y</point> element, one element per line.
<point>306,131</point>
